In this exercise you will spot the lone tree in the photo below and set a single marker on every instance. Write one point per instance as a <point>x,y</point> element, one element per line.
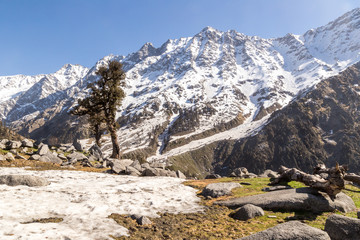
<point>106,95</point>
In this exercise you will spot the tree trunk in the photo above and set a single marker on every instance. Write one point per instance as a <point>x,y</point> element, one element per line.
<point>114,140</point>
<point>332,186</point>
<point>98,134</point>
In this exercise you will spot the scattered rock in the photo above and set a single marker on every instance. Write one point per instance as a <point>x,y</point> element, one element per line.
<point>219,189</point>
<point>50,158</point>
<point>78,145</point>
<point>13,145</point>
<point>289,230</point>
<point>9,156</point>
<point>95,151</point>
<point>275,188</point>
<point>145,165</point>
<point>35,157</point>
<point>179,174</point>
<point>132,171</point>
<point>62,156</point>
<point>76,156</point>
<point>269,173</point>
<point>150,172</point>
<point>300,199</point>
<point>136,164</point>
<point>2,158</point>
<point>119,166</point>
<point>43,149</point>
<point>27,143</point>
<point>212,176</point>
<point>158,165</point>
<point>3,143</point>
<point>31,181</point>
<point>248,211</point>
<point>342,228</point>
<point>143,221</point>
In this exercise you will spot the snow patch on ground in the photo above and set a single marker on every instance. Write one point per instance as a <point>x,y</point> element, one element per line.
<point>85,200</point>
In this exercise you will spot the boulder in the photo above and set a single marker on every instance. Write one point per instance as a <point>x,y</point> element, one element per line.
<point>248,211</point>
<point>76,156</point>
<point>300,199</point>
<point>145,165</point>
<point>35,157</point>
<point>275,188</point>
<point>293,230</point>
<point>141,220</point>
<point>219,189</point>
<point>179,174</point>
<point>62,156</point>
<point>3,143</point>
<point>2,158</point>
<point>9,156</point>
<point>342,228</point>
<point>13,145</point>
<point>119,166</point>
<point>78,145</point>
<point>212,176</point>
<point>150,172</point>
<point>136,164</point>
<point>50,158</point>
<point>158,165</point>
<point>132,171</point>
<point>269,173</point>
<point>43,149</point>
<point>95,151</point>
<point>31,181</point>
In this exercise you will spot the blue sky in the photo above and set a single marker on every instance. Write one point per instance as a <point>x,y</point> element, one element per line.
<point>40,36</point>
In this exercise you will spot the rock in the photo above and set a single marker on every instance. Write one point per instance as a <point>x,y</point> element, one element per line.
<point>2,158</point>
<point>212,176</point>
<point>78,145</point>
<point>179,174</point>
<point>70,148</point>
<point>248,211</point>
<point>43,149</point>
<point>293,230</point>
<point>27,143</point>
<point>13,151</point>
<point>143,221</point>
<point>300,199</point>
<point>132,171</point>
<point>136,164</point>
<point>13,145</point>
<point>76,156</point>
<point>95,151</point>
<point>9,156</point>
<point>275,188</point>
<point>219,189</point>
<point>145,165</point>
<point>119,166</point>
<point>35,157</point>
<point>2,146</point>
<point>31,181</point>
<point>62,156</point>
<point>269,173</point>
<point>342,228</point>
<point>50,158</point>
<point>150,172</point>
<point>20,157</point>
<point>158,165</point>
<point>250,175</point>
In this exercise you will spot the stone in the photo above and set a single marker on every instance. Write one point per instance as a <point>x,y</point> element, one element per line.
<point>78,145</point>
<point>95,151</point>
<point>2,145</point>
<point>2,158</point>
<point>76,156</point>
<point>62,156</point>
<point>158,165</point>
<point>132,171</point>
<point>342,228</point>
<point>13,145</point>
<point>150,172</point>
<point>43,149</point>
<point>136,164</point>
<point>179,174</point>
<point>143,221</point>
<point>119,166</point>
<point>31,181</point>
<point>219,189</point>
<point>50,158</point>
<point>70,148</point>
<point>35,157</point>
<point>145,165</point>
<point>269,173</point>
<point>212,176</point>
<point>9,156</point>
<point>300,199</point>
<point>250,175</point>
<point>14,151</point>
<point>275,188</point>
<point>292,230</point>
<point>247,212</point>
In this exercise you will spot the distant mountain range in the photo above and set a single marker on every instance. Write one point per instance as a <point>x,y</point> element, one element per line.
<point>190,93</point>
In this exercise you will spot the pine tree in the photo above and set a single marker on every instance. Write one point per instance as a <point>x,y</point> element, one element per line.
<point>105,97</point>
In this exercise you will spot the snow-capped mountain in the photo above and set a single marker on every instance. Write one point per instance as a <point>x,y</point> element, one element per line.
<point>192,91</point>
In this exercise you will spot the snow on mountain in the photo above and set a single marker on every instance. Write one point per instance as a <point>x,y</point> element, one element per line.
<point>215,85</point>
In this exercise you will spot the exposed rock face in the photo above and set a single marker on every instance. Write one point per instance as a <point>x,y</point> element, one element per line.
<point>300,199</point>
<point>342,228</point>
<point>31,181</point>
<point>247,212</point>
<point>293,230</point>
<point>219,189</point>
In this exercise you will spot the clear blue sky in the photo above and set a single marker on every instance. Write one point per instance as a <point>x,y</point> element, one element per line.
<point>40,36</point>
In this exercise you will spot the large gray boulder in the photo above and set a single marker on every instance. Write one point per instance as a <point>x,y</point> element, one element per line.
<point>119,166</point>
<point>50,158</point>
<point>293,230</point>
<point>76,156</point>
<point>342,228</point>
<point>2,158</point>
<point>95,151</point>
<point>219,189</point>
<point>248,211</point>
<point>300,199</point>
<point>43,149</point>
<point>13,145</point>
<point>136,164</point>
<point>31,181</point>
<point>9,156</point>
<point>78,145</point>
<point>269,173</point>
<point>3,143</point>
<point>132,171</point>
<point>27,143</point>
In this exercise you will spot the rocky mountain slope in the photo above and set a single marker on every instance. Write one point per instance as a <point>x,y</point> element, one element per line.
<point>191,92</point>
